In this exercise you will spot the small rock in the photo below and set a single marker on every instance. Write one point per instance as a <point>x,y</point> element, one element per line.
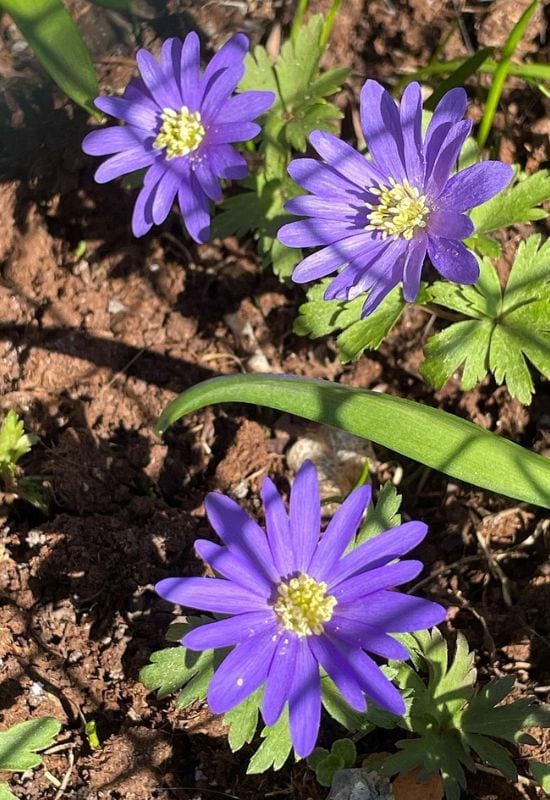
<point>360,784</point>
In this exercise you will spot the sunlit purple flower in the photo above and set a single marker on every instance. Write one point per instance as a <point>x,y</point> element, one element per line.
<point>378,219</point>
<point>180,126</point>
<point>296,603</point>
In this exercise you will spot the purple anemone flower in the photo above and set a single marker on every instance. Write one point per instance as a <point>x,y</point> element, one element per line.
<point>377,219</point>
<point>180,126</point>
<point>296,601</point>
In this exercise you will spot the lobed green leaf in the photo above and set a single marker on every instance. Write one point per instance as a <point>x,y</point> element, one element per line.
<point>20,744</point>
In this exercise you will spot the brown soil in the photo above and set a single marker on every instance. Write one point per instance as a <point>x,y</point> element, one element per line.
<point>94,346</point>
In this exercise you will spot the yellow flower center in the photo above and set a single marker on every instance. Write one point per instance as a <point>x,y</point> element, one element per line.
<point>400,211</point>
<point>303,605</point>
<point>181,132</point>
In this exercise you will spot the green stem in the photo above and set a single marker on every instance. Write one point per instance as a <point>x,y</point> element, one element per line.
<point>329,22</point>
<point>298,18</point>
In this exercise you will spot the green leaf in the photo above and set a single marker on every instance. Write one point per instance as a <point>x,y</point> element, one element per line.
<point>243,721</point>
<point>383,515</point>
<point>458,77</point>
<point>14,442</point>
<point>532,71</point>
<point>519,202</point>
<point>325,769</point>
<point>340,710</point>
<point>541,773</point>
<point>115,5</point>
<point>58,45</point>
<point>345,750</point>
<point>493,754</point>
<point>504,721</point>
<point>275,749</point>
<point>5,793</point>
<point>433,437</point>
<point>19,745</point>
<point>462,344</point>
<point>369,333</point>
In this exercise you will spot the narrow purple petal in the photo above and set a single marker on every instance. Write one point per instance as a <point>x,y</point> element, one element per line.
<point>208,181</point>
<point>305,515</point>
<point>325,261</point>
<point>372,680</point>
<point>225,162</point>
<point>123,163</point>
<point>142,217</point>
<point>228,632</point>
<point>240,673</point>
<point>475,185</point>
<point>314,232</point>
<point>154,78</point>
<point>134,113</point>
<point>105,141</point>
<point>195,208</point>
<point>450,110</point>
<point>394,612</point>
<point>382,129</point>
<point>346,160</point>
<point>280,677</point>
<point>189,72</point>
<point>368,637</point>
<point>235,567</point>
<point>349,277</point>
<point>305,701</point>
<point>225,133</point>
<point>241,533</point>
<point>340,531</point>
<point>450,224</point>
<point>411,122</point>
<point>380,550</point>
<point>277,526</point>
<point>313,206</point>
<point>374,580</point>
<point>336,666</point>
<point>221,86</point>
<point>446,159</point>
<point>453,260</point>
<point>165,194</point>
<point>170,60</point>
<point>323,180</point>
<point>247,106</point>
<point>412,268</point>
<point>210,594</point>
<point>383,273</point>
<point>229,57</point>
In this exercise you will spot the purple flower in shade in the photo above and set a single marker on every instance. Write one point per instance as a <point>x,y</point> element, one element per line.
<point>378,219</point>
<point>297,602</point>
<point>180,126</point>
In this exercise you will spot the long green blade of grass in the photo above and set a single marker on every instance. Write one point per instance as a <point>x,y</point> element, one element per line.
<point>433,437</point>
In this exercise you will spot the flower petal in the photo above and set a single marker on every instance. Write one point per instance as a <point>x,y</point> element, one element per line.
<point>247,106</point>
<point>383,275</point>
<point>411,122</point>
<point>336,666</point>
<point>142,217</point>
<point>280,677</point>
<point>371,581</point>
<point>105,141</point>
<point>154,78</point>
<point>345,160</point>
<point>305,516</point>
<point>134,113</point>
<point>123,163</point>
<point>453,260</point>
<point>372,680</point>
<point>210,594</point>
<point>227,62</point>
<point>235,567</point>
<point>475,185</point>
<point>450,110</point>
<point>394,612</point>
<point>380,550</point>
<point>340,531</point>
<point>305,701</point>
<point>240,673</point>
<point>226,162</point>
<point>170,60</point>
<point>325,261</point>
<point>450,224</point>
<point>446,158</point>
<point>382,129</point>
<point>368,637</point>
<point>189,72</point>
<point>277,526</point>
<point>225,133</point>
<point>323,180</point>
<point>412,268</point>
<point>206,178</point>
<point>165,194</point>
<point>314,232</point>
<point>313,206</point>
<point>195,208</point>
<point>228,632</point>
<point>351,274</point>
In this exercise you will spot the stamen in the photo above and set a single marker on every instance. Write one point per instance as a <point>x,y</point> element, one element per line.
<point>303,605</point>
<point>401,211</point>
<point>181,132</point>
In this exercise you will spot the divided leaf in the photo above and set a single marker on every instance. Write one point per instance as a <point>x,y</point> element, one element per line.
<point>519,202</point>
<point>20,744</point>
<point>275,749</point>
<point>14,442</point>
<point>243,720</point>
<point>383,515</point>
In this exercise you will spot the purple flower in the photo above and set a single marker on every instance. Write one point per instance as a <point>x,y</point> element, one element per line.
<point>180,126</point>
<point>378,219</point>
<point>297,602</point>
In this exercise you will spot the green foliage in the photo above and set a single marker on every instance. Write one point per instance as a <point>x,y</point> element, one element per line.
<point>58,45</point>
<point>275,749</point>
<point>452,722</point>
<point>20,744</point>
<point>342,755</point>
<point>383,515</point>
<point>177,668</point>
<point>15,443</point>
<point>300,107</point>
<point>541,773</point>
<point>243,720</point>
<point>502,329</point>
<point>520,202</point>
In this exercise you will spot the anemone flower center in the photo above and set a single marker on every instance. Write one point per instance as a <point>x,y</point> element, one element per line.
<point>303,604</point>
<point>400,210</point>
<point>181,132</point>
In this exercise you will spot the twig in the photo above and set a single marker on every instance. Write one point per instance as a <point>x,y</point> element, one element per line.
<point>66,777</point>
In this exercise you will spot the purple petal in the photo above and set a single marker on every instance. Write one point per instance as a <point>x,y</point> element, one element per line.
<point>450,110</point>
<point>225,162</point>
<point>372,680</point>
<point>142,217</point>
<point>305,701</point>
<point>189,72</point>
<point>305,516</point>
<point>394,612</point>
<point>228,61</point>
<point>240,533</point>
<point>165,194</point>
<point>240,673</point>
<point>234,566</point>
<point>225,133</point>
<point>313,206</point>
<point>336,666</point>
<point>195,208</point>
<point>278,528</point>
<point>123,163</point>
<point>112,140</point>
<point>368,637</point>
<point>411,123</point>
<point>345,160</point>
<point>349,277</point>
<point>247,106</point>
<point>374,580</point>
<point>382,129</point>
<point>412,268</point>
<point>139,114</point>
<point>210,594</point>
<point>207,180</point>
<point>280,677</point>
<point>325,261</point>
<point>378,551</point>
<point>154,79</point>
<point>340,531</point>
<point>450,224</point>
<point>382,275</point>
<point>228,632</point>
<point>314,232</point>
<point>170,60</point>
<point>446,158</point>
<point>475,185</point>
<point>323,180</point>
<point>453,260</point>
